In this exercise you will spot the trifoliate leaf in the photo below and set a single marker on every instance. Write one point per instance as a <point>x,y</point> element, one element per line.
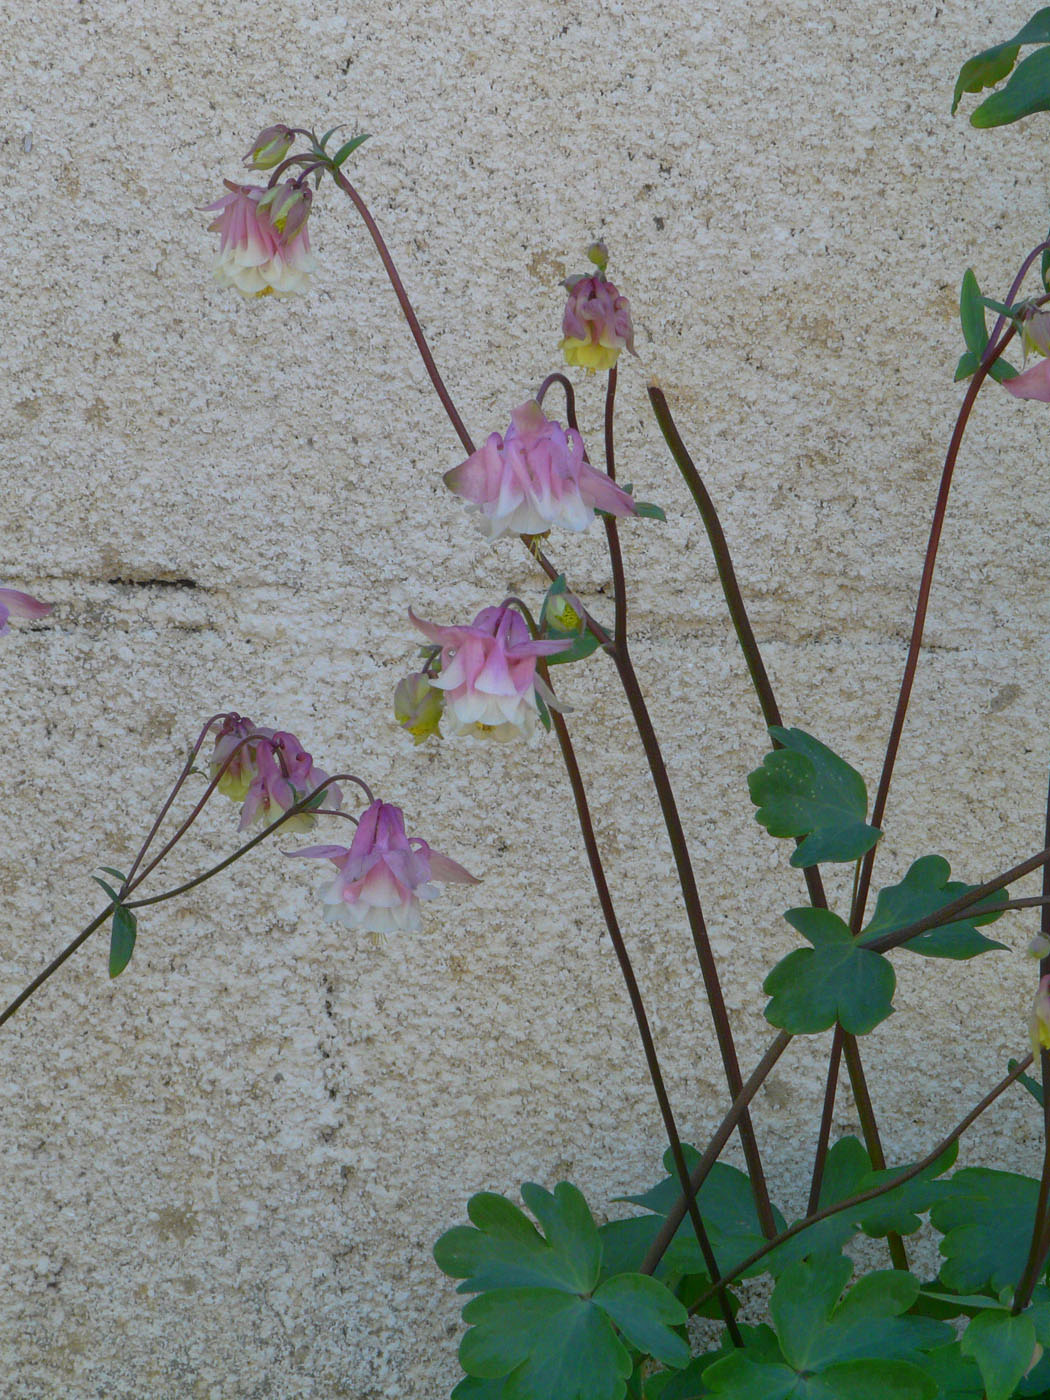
<point>853,1349</point>
<point>835,980</point>
<point>1003,1346</point>
<point>542,1323</point>
<point>986,1218</point>
<point>925,889</point>
<point>806,790</point>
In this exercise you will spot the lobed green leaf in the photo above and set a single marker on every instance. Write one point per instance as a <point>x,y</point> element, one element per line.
<point>924,890</point>
<point>836,980</point>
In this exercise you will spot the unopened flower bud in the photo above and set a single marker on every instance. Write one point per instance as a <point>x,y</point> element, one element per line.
<point>270,147</point>
<point>288,206</point>
<point>418,706</point>
<point>1039,1023</point>
<point>1039,947</point>
<point>1035,331</point>
<point>566,612</point>
<point>598,254</point>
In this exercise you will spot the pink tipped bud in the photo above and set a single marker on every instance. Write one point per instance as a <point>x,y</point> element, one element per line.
<point>418,706</point>
<point>270,147</point>
<point>288,206</point>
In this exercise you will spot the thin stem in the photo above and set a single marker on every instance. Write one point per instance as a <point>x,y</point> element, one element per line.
<point>874,1192</point>
<point>601,885</point>
<point>869,1128</point>
<point>406,309</point>
<point>991,354</point>
<point>770,712</point>
<point>55,963</point>
<point>698,928</point>
<point>1040,1242</point>
<point>570,397</point>
<point>713,1151</point>
<point>612,533</point>
<point>187,769</point>
<point>826,1116</point>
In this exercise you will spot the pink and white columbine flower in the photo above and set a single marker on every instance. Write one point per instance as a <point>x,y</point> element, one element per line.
<point>534,478</point>
<point>383,875</point>
<point>269,771</point>
<point>15,604</point>
<point>596,325</point>
<point>264,244</point>
<point>488,673</point>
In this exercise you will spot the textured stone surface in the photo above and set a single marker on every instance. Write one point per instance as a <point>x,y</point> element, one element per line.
<point>222,1175</point>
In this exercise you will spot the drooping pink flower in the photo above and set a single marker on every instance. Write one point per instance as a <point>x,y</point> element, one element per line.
<point>488,673</point>
<point>1031,383</point>
<point>284,774</point>
<point>534,478</point>
<point>264,245</point>
<point>596,325</point>
<point>383,875</point>
<point>15,604</point>
<point>269,771</point>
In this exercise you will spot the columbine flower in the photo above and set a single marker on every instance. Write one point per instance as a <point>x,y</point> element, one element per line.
<point>534,478</point>
<point>488,673</point>
<point>270,147</point>
<point>596,325</point>
<point>1039,1024</point>
<point>418,707</point>
<point>15,604</point>
<point>1033,383</point>
<point>383,875</point>
<point>269,771</point>
<point>264,244</point>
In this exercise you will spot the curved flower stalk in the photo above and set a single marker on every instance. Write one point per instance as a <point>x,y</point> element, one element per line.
<point>535,477</point>
<point>383,875</point>
<point>15,604</point>
<point>264,245</point>
<point>488,673</point>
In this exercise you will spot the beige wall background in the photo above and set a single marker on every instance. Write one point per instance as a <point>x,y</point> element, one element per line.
<point>222,1174</point>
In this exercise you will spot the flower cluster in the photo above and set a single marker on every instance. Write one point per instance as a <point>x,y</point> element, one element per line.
<point>535,477</point>
<point>264,245</point>
<point>383,875</point>
<point>596,325</point>
<point>269,771</point>
<point>488,673</point>
<point>15,604</point>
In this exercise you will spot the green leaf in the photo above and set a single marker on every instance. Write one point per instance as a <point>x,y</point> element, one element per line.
<point>898,1211</point>
<point>1001,371</point>
<point>1027,91</point>
<point>836,980</point>
<point>967,365</point>
<point>117,874</point>
<point>544,713</point>
<point>107,887</point>
<point>649,511</point>
<point>986,1218</point>
<point>328,135</point>
<point>1027,1082</point>
<point>349,148</point>
<point>1002,1346</point>
<point>121,940</point>
<point>644,1311</point>
<point>855,1348</point>
<point>971,313</point>
<point>806,790</point>
<point>992,65</point>
<point>539,1323</point>
<point>473,1388</point>
<point>957,1377</point>
<point>924,890</point>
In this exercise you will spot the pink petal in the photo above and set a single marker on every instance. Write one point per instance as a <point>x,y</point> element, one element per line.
<point>1034,383</point>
